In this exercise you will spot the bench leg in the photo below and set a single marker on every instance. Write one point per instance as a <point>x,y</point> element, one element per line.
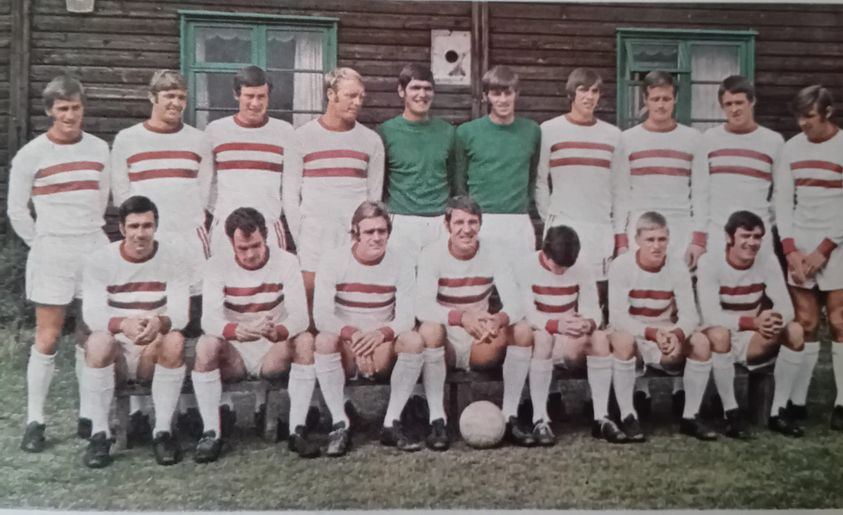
<point>122,416</point>
<point>761,386</point>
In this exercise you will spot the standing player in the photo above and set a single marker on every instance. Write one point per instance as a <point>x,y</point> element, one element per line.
<point>807,197</point>
<point>343,166</point>
<point>251,152</point>
<point>455,281</point>
<point>253,311</point>
<point>135,302</point>
<point>737,158</point>
<point>731,288</point>
<point>560,300</point>
<point>575,183</point>
<point>496,158</point>
<point>363,310</point>
<point>419,164</point>
<point>648,290</point>
<point>64,173</point>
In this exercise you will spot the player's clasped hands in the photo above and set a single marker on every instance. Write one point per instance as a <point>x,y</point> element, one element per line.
<point>141,330</point>
<point>573,324</point>
<point>667,341</point>
<point>769,323</point>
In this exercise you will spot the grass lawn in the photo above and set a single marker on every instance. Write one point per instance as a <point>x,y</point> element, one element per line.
<point>669,471</point>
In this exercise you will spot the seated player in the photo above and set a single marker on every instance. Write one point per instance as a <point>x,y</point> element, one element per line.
<point>731,288</point>
<point>560,300</point>
<point>363,310</point>
<point>652,312</point>
<point>136,297</point>
<point>455,281</point>
<point>253,308</point>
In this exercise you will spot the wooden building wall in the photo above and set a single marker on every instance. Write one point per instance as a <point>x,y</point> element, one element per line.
<point>5,62</point>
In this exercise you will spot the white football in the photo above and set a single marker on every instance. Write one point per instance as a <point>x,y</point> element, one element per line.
<point>482,424</point>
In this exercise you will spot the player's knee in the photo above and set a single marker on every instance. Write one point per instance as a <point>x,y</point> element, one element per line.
<point>99,349</point>
<point>303,348</point>
<point>600,343</point>
<point>410,342</point>
<point>835,324</point>
<point>327,343</point>
<point>720,338</point>
<point>171,350</point>
<point>792,337</point>
<point>810,323</point>
<point>432,334</point>
<point>542,344</point>
<point>208,351</point>
<point>699,347</point>
<point>47,338</point>
<point>622,344</point>
<point>522,335</point>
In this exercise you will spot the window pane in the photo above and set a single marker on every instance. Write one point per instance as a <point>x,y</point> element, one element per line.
<point>223,45</point>
<point>288,49</point>
<point>704,104</point>
<point>213,91</point>
<point>282,90</point>
<point>714,62</point>
<point>651,56</point>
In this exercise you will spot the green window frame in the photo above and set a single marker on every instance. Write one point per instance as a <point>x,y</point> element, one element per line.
<point>673,50</point>
<point>255,33</point>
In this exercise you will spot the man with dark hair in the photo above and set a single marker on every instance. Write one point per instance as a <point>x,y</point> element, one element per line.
<point>496,158</point>
<point>654,317</point>
<point>731,286</point>
<point>455,281</point>
<point>807,196</point>
<point>64,172</point>
<point>363,310</point>
<point>737,160</point>
<point>419,164</point>
<point>254,315</point>
<point>136,295</point>
<point>251,152</point>
<point>560,300</point>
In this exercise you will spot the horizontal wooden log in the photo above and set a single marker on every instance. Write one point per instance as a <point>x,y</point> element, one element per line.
<point>127,58</point>
<point>541,57</point>
<point>110,41</point>
<point>545,42</point>
<point>384,51</point>
<point>99,24</point>
<point>348,35</point>
<point>98,74</point>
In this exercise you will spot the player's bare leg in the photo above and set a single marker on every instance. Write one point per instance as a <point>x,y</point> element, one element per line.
<point>697,352</point>
<point>433,378</point>
<point>806,305</point>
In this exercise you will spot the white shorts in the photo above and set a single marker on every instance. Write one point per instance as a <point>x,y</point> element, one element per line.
<point>319,235</point>
<point>54,267</point>
<point>410,234</point>
<point>252,354</point>
<point>512,234</point>
<point>681,230</point>
<point>830,276</point>
<point>740,347</point>
<point>717,241</point>
<point>275,237</point>
<point>597,244</point>
<point>558,351</point>
<point>194,247</point>
<point>132,354</point>
<point>461,341</point>
<point>651,355</point>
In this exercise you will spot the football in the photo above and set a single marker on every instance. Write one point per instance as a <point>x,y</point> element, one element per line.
<point>482,424</point>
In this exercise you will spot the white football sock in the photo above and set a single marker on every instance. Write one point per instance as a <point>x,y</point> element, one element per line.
<point>331,377</point>
<point>98,384</point>
<point>541,377</point>
<point>516,366</point>
<point>694,381</point>
<point>788,365</point>
<point>799,396</point>
<point>433,377</point>
<point>79,367</point>
<point>723,369</point>
<point>642,384</point>
<point>208,389</point>
<point>405,375</point>
<point>600,382</point>
<point>623,381</point>
<point>837,366</point>
<point>39,375</point>
<point>166,388</point>
<point>300,387</point>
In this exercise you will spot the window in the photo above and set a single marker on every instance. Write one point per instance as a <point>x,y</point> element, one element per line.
<point>698,59</point>
<point>295,51</point>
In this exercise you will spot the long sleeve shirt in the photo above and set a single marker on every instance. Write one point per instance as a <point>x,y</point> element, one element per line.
<point>352,295</point>
<point>173,169</point>
<point>115,287</point>
<point>68,184</point>
<point>232,294</point>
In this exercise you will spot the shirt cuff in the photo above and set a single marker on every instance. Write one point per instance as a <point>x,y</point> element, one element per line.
<point>650,333</point>
<point>503,318</point>
<point>229,332</point>
<point>114,324</point>
<point>455,317</point>
<point>388,334</point>
<point>826,247</point>
<point>621,240</point>
<point>282,332</point>
<point>746,323</point>
<point>347,332</point>
<point>788,246</point>
<point>552,326</point>
<point>699,238</point>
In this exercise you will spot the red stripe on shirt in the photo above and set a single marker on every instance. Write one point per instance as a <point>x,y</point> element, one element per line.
<point>69,167</point>
<point>741,152</point>
<point>556,290</point>
<point>138,286</point>
<point>145,305</point>
<point>741,290</point>
<point>336,172</point>
<point>370,305</point>
<point>580,161</point>
<point>648,312</point>
<point>741,170</point>
<point>464,281</point>
<point>336,154</point>
<point>467,299</point>
<point>164,154</point>
<point>820,183</point>
<point>65,186</point>
<point>250,165</point>
<point>253,307</point>
<point>549,308</point>
<point>737,306</point>
<point>365,288</point>
<point>662,153</point>
<point>163,173</point>
<point>660,170</point>
<point>817,164</point>
<point>651,294</point>
<point>581,145</point>
<point>254,147</point>
<point>245,291</point>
